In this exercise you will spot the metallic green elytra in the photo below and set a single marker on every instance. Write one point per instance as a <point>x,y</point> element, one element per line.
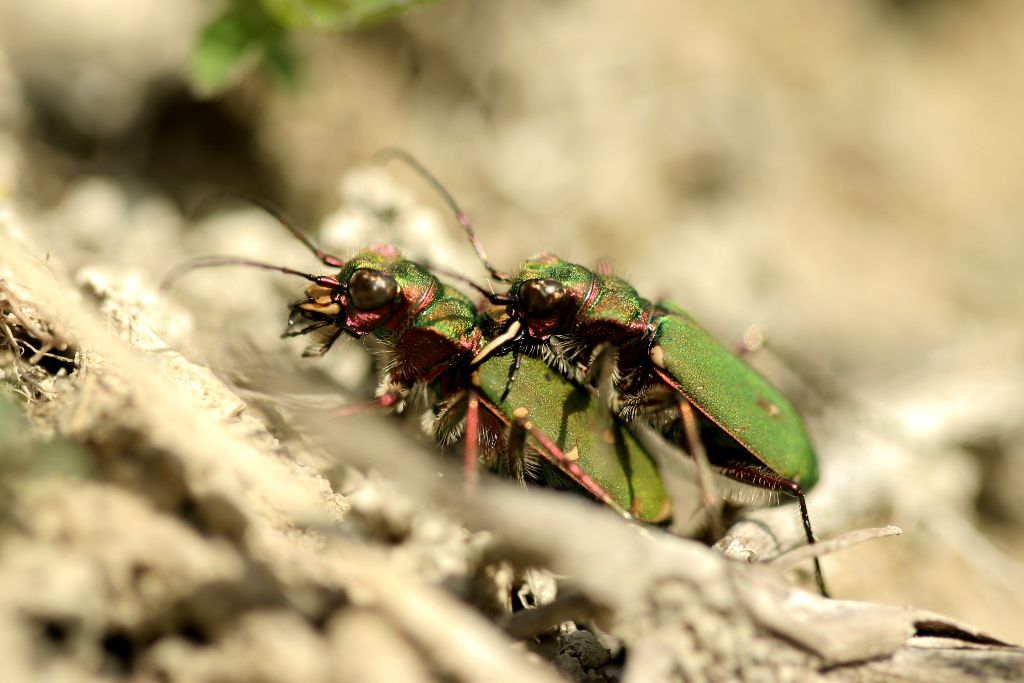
<point>576,312</point>
<point>734,396</point>
<point>665,369</point>
<point>582,428</point>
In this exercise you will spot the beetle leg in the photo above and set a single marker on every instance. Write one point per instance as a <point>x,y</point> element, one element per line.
<point>516,449</point>
<point>602,373</point>
<point>385,400</point>
<point>516,360</point>
<point>705,481</point>
<point>321,349</point>
<point>767,479</point>
<point>550,450</point>
<point>604,379</point>
<point>469,472</point>
<point>312,327</point>
<point>806,518</point>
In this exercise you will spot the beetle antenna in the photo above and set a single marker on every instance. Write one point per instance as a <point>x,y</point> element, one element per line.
<point>217,261</point>
<point>460,215</point>
<point>325,258</point>
<point>496,299</point>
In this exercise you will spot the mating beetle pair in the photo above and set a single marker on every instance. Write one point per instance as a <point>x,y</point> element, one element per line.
<point>430,336</point>
<point>668,372</point>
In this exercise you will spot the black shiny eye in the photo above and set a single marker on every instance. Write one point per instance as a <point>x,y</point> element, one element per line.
<point>541,297</point>
<point>369,289</point>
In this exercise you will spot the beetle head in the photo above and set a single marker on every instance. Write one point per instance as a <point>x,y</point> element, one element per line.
<point>547,294</point>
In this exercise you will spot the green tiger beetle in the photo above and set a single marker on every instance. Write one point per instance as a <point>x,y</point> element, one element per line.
<point>430,335</point>
<point>669,371</point>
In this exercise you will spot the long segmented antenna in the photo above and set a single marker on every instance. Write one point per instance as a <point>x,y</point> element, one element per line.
<point>496,299</point>
<point>323,256</point>
<point>460,215</point>
<point>217,261</point>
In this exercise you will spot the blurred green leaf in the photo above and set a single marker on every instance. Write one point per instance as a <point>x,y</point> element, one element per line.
<point>282,62</point>
<point>249,31</point>
<point>336,14</point>
<point>317,14</point>
<point>233,43</point>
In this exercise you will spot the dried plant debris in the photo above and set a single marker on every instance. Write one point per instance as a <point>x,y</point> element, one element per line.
<point>34,354</point>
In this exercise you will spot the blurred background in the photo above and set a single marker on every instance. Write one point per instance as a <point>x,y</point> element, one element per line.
<point>846,175</point>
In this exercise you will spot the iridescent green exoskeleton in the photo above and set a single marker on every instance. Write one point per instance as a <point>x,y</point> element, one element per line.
<point>733,396</point>
<point>430,334</point>
<point>669,371</point>
<point>661,354</point>
<point>577,422</point>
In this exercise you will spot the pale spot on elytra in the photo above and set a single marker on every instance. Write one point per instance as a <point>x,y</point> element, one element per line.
<point>658,357</point>
<point>769,407</point>
<point>573,455</point>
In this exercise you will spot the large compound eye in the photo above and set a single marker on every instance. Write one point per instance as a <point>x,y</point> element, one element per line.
<point>370,289</point>
<point>541,297</point>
